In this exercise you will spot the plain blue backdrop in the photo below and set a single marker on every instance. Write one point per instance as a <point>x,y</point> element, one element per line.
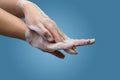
<point>99,19</point>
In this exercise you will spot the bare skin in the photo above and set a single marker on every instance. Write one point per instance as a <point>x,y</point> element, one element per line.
<point>16,29</point>
<point>12,26</point>
<point>10,6</point>
<point>32,11</point>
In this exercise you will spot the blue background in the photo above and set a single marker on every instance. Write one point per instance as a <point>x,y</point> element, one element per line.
<point>98,19</point>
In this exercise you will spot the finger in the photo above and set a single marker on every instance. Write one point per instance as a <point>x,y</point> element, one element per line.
<point>41,31</point>
<point>58,54</point>
<point>70,44</point>
<point>83,42</point>
<point>72,50</point>
<point>51,26</point>
<point>64,37</point>
<point>58,35</point>
<point>60,46</point>
<point>46,33</point>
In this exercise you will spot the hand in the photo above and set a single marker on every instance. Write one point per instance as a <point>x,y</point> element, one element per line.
<point>35,17</point>
<point>58,35</point>
<point>37,41</point>
<point>38,21</point>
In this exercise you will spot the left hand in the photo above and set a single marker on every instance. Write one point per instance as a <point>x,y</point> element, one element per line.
<point>38,21</point>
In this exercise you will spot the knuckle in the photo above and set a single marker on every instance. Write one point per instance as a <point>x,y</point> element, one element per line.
<point>36,20</point>
<point>51,24</point>
<point>45,33</point>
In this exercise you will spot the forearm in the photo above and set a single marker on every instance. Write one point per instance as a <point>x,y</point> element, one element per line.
<point>11,7</point>
<point>11,26</point>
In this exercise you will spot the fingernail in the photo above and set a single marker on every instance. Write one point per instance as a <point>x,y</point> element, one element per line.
<point>92,40</point>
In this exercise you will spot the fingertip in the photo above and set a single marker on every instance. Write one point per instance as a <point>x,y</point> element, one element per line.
<point>92,41</point>
<point>71,51</point>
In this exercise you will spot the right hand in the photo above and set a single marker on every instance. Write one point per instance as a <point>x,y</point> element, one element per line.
<point>37,41</point>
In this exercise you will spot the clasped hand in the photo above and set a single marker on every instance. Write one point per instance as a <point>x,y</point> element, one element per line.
<point>44,34</point>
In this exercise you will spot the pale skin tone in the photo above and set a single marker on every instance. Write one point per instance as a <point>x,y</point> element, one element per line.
<point>11,25</point>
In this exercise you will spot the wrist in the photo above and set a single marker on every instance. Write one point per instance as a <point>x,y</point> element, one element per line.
<point>28,7</point>
<point>24,5</point>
